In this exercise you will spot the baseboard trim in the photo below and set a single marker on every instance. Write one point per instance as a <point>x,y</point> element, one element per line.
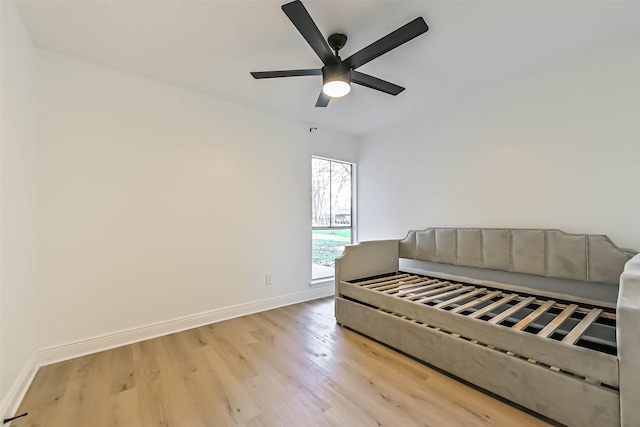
<point>12,399</point>
<point>80,348</point>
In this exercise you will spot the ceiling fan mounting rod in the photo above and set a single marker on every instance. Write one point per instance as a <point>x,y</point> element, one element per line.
<point>337,42</point>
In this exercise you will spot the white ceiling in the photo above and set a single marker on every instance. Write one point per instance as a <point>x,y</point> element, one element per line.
<point>211,46</point>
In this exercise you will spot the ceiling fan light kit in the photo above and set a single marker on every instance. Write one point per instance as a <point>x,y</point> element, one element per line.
<point>336,80</point>
<point>337,75</point>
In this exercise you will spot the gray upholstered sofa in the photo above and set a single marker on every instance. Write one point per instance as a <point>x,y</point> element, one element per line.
<point>546,319</point>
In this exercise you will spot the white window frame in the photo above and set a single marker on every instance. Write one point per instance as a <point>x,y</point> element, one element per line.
<point>324,281</point>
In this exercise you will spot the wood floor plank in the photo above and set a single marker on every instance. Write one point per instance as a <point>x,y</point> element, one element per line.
<point>292,366</point>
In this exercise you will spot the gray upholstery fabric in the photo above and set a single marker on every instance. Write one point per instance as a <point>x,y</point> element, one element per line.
<point>567,256</point>
<point>425,244</point>
<point>470,247</point>
<point>550,253</point>
<point>527,261</point>
<point>496,249</point>
<point>408,247</point>
<point>446,246</point>
<point>605,259</point>
<point>628,319</point>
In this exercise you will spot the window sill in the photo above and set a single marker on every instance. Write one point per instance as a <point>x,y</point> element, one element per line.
<point>322,283</point>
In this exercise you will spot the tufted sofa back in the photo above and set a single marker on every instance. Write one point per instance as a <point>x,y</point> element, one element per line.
<point>550,253</point>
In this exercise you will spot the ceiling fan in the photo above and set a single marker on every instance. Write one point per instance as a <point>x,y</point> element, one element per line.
<point>337,74</point>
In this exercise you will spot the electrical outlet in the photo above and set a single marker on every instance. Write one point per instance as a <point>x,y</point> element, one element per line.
<point>267,280</point>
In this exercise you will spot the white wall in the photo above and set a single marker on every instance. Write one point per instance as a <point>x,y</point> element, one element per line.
<point>324,143</point>
<point>18,172</point>
<point>558,149</point>
<point>159,203</point>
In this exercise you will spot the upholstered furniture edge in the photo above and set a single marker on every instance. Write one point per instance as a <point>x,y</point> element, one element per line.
<point>628,341</point>
<point>368,259</point>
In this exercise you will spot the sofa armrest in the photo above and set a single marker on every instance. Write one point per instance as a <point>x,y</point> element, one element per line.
<point>628,337</point>
<point>367,259</point>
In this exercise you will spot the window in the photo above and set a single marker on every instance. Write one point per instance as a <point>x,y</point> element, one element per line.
<point>331,209</point>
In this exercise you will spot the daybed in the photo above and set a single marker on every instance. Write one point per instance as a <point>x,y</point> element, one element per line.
<point>546,319</point>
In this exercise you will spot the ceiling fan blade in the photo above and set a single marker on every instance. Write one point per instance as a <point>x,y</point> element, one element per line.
<point>385,44</point>
<point>285,73</point>
<point>303,22</point>
<point>323,100</point>
<point>375,83</point>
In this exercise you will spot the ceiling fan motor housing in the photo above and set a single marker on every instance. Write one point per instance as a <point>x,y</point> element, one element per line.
<point>338,71</point>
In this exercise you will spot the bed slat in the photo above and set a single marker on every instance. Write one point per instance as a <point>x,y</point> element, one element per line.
<point>533,316</point>
<point>445,294</point>
<point>431,292</point>
<point>475,302</point>
<point>557,321</point>
<point>460,298</point>
<point>382,280</point>
<point>513,310</point>
<point>420,287</point>
<point>493,306</point>
<point>573,336</point>
<point>394,284</point>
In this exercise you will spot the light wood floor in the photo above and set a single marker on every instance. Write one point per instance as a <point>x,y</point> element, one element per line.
<point>291,366</point>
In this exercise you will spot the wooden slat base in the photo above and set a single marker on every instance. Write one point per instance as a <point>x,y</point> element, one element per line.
<point>498,306</point>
